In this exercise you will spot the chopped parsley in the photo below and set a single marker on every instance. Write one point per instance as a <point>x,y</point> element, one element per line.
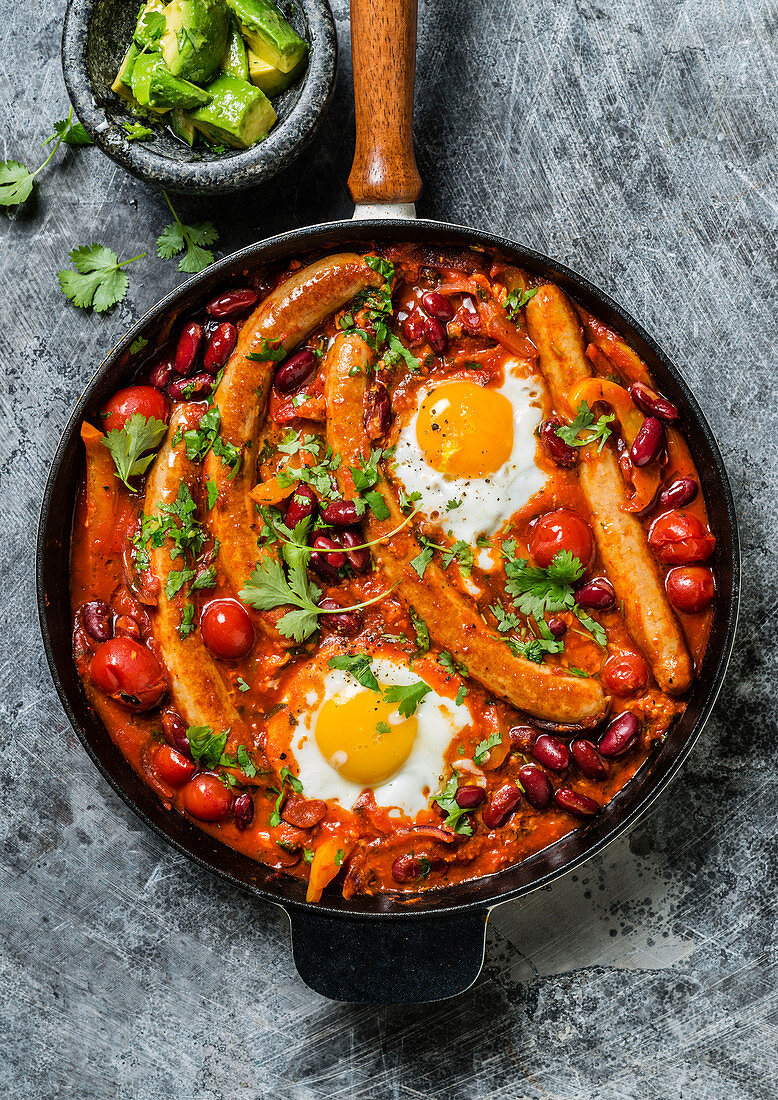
<point>584,422</point>
<point>273,353</point>
<point>483,748</point>
<point>451,664</point>
<point>515,301</point>
<point>294,783</point>
<point>206,746</point>
<point>358,665</point>
<point>242,685</point>
<point>447,800</point>
<point>422,632</point>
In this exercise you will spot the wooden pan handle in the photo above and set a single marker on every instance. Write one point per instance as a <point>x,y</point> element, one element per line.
<point>383,50</point>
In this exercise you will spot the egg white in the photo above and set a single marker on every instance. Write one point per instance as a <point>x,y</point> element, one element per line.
<point>439,720</point>
<point>487,502</point>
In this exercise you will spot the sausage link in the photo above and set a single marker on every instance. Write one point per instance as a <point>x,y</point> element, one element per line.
<point>285,318</point>
<point>454,624</point>
<point>198,692</point>
<point>555,329</point>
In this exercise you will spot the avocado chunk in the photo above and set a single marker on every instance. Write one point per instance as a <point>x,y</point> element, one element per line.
<point>268,33</point>
<point>122,84</point>
<point>238,114</point>
<point>153,85</point>
<point>195,38</point>
<point>235,60</point>
<point>270,79</point>
<point>141,36</point>
<point>182,126</point>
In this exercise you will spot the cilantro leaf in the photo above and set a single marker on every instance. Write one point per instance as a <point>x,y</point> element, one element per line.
<point>268,352</point>
<point>584,422</point>
<point>246,763</point>
<point>187,624</point>
<point>407,696</point>
<point>70,132</point>
<point>422,632</point>
<point>397,351</point>
<point>461,695</point>
<point>451,664</point>
<point>422,560</point>
<point>16,182</point>
<point>212,489</point>
<point>515,301</point>
<point>136,131</point>
<point>448,804</point>
<point>367,475</point>
<point>206,746</point>
<point>483,747</point>
<point>297,787</point>
<point>539,590</point>
<point>189,239</point>
<point>383,728</point>
<point>377,504</point>
<point>138,345</point>
<point>128,445</point>
<point>242,685</point>
<point>176,579</point>
<point>98,281</point>
<point>358,665</point>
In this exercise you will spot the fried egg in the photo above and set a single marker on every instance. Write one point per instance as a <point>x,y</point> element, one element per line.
<point>354,739</point>
<point>469,452</point>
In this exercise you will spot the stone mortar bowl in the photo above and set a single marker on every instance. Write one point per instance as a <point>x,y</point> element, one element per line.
<point>94,38</point>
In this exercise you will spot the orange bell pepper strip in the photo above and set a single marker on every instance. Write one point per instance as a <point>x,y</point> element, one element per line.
<point>624,359</point>
<point>271,491</point>
<point>325,865</point>
<point>102,489</point>
<point>645,481</point>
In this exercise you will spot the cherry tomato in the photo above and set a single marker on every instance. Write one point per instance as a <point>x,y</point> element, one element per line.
<point>173,767</point>
<point>561,530</point>
<point>678,538</point>
<point>206,798</point>
<point>129,672</point>
<point>145,400</point>
<point>690,588</point>
<point>625,674</point>
<point>226,629</point>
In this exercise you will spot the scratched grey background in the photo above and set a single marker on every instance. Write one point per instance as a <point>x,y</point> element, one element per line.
<point>637,143</point>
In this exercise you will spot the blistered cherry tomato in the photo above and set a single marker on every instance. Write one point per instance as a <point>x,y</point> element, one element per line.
<point>128,671</point>
<point>173,767</point>
<point>145,400</point>
<point>625,674</point>
<point>206,798</point>
<point>678,538</point>
<point>690,588</point>
<point>561,530</point>
<point>227,629</point>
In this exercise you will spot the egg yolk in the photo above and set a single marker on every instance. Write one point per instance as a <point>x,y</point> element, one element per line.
<point>354,736</point>
<point>465,430</point>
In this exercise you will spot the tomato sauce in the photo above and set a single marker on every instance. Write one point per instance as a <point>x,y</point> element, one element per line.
<point>247,790</point>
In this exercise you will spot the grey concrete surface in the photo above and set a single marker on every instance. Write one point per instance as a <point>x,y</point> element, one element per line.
<point>637,143</point>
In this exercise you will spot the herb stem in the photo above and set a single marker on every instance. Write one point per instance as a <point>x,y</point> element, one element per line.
<point>356,606</point>
<point>123,263</point>
<point>361,546</point>
<point>57,143</point>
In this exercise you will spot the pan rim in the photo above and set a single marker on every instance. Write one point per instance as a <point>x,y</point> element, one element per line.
<point>398,229</point>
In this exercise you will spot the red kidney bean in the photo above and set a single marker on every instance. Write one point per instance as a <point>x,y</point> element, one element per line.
<point>413,328</point>
<point>160,374</point>
<point>219,347</point>
<point>187,389</point>
<point>652,403</point>
<point>187,348</point>
<point>410,867</point>
<point>471,318</point>
<point>174,729</point>
<point>550,752</point>
<point>302,503</point>
<point>97,620</point>
<point>678,493</point>
<point>233,301</point>
<point>588,760</point>
<point>558,628</point>
<point>521,738</point>
<point>620,735</point>
<point>303,813</point>
<point>597,594</point>
<point>243,810</point>
<point>297,369</point>
<point>556,449</point>
<point>340,513</point>
<point>501,806</point>
<point>649,443</point>
<point>537,787</point>
<point>378,411</point>
<point>327,565</point>
<point>347,623</point>
<point>437,305</point>
<point>359,560</point>
<point>436,335</point>
<point>469,798</point>
<point>575,803</point>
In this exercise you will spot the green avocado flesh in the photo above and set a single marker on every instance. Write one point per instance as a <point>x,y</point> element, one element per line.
<point>238,114</point>
<point>270,79</point>
<point>235,61</point>
<point>182,126</point>
<point>153,85</point>
<point>195,38</point>
<point>268,34</point>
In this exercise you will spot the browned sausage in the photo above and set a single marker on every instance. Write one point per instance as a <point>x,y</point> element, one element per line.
<point>621,541</point>
<point>453,622</point>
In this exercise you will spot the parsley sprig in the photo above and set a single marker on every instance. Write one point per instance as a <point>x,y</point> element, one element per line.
<point>134,446</point>
<point>584,422</point>
<point>189,239</point>
<point>98,281</point>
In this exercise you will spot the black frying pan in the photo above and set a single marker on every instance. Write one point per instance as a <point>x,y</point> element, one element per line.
<point>382,949</point>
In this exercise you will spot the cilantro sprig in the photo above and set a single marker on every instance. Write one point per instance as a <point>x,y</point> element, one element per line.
<point>358,665</point>
<point>189,239</point>
<point>17,181</point>
<point>407,696</point>
<point>98,281</point>
<point>584,422</point>
<point>515,301</point>
<point>448,804</point>
<point>286,777</point>
<point>133,447</point>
